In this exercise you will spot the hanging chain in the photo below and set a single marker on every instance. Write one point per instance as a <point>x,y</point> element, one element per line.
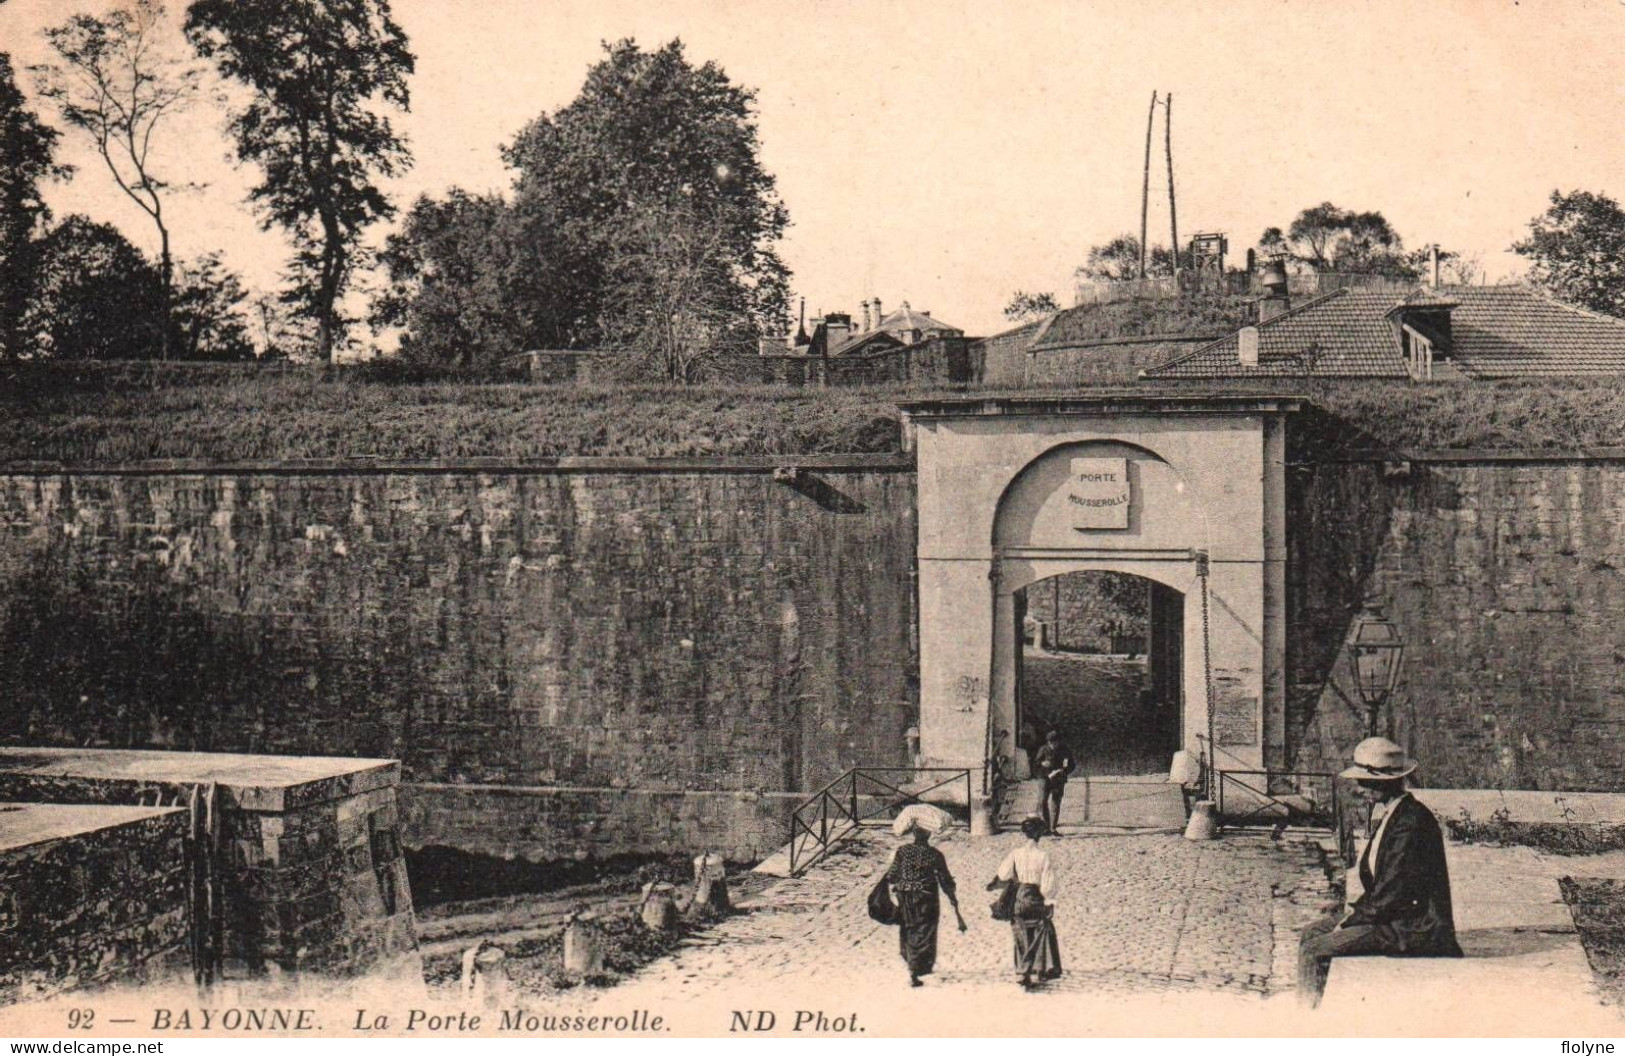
<point>1207,677</point>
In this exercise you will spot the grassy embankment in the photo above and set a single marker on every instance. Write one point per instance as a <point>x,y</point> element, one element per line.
<point>110,413</point>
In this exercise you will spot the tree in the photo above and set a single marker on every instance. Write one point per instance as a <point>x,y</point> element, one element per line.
<point>283,334</point>
<point>27,153</point>
<point>1314,233</point>
<point>1576,250</point>
<point>1161,262</point>
<point>1272,243</point>
<point>1327,238</point>
<point>118,80</point>
<point>207,313</point>
<point>1370,246</point>
<point>672,305</point>
<point>320,74</point>
<point>1455,269</point>
<point>95,296</point>
<point>451,268</point>
<point>1119,261</point>
<point>1114,261</point>
<point>1024,305</point>
<point>649,132</point>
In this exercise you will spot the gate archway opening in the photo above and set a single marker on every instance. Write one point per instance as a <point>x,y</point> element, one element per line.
<point>1101,660</point>
<point>1187,490</point>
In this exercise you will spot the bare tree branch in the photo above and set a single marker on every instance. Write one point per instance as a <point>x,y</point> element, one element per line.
<point>116,81</point>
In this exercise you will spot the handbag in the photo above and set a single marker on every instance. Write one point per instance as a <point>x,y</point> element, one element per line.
<point>1004,907</point>
<point>882,910</point>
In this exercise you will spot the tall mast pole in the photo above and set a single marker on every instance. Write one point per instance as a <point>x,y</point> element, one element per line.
<point>1168,143</point>
<point>1145,187</point>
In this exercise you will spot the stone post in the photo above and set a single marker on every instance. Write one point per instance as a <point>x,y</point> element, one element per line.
<point>658,909</point>
<point>583,945</point>
<point>485,976</point>
<point>710,885</point>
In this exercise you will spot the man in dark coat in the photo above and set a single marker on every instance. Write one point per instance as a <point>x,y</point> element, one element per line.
<point>1405,907</point>
<point>1055,764</point>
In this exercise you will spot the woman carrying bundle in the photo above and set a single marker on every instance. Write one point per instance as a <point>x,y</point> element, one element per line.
<point>917,872</point>
<point>1032,913</point>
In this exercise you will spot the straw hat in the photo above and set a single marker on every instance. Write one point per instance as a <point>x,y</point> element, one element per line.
<point>1379,759</point>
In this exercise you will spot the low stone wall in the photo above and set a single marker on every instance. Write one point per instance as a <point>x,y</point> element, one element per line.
<point>319,888</point>
<point>311,865</point>
<point>1109,362</point>
<point>1084,612</point>
<point>937,360</point>
<point>90,896</point>
<point>551,824</point>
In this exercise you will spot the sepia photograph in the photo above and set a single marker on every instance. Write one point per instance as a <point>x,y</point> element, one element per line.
<point>554,519</point>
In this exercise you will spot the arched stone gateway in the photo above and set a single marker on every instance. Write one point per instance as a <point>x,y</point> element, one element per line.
<point>1185,491</point>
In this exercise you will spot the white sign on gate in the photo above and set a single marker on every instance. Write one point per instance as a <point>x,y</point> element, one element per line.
<point>1099,494</point>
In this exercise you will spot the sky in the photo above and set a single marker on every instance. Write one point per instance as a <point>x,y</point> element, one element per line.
<point>947,153</point>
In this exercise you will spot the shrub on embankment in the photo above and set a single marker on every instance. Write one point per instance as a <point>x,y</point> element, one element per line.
<point>112,413</point>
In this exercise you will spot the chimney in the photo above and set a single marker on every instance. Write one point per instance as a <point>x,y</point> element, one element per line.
<point>1433,264</point>
<point>837,327</point>
<point>866,326</point>
<point>878,315</point>
<point>1247,346</point>
<point>1275,300</point>
<point>795,340</point>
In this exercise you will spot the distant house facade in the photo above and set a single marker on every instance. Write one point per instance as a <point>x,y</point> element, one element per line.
<point>878,348</point>
<point>836,334</point>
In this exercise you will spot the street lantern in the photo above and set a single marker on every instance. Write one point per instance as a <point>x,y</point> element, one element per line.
<point>1375,651</point>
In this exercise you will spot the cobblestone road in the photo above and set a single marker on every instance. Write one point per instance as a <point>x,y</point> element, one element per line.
<point>1138,913</point>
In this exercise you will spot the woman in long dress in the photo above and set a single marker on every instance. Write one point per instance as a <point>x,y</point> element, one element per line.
<point>1032,922</point>
<point>917,871</point>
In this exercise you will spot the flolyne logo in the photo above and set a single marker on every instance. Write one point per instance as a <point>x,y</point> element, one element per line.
<point>1100,494</point>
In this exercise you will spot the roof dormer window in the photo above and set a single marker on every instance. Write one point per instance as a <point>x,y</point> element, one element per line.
<point>1419,353</point>
<point>1422,326</point>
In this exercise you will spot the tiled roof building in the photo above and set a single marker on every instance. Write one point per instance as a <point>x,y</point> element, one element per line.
<point>909,326</point>
<point>1460,332</point>
<point>835,334</point>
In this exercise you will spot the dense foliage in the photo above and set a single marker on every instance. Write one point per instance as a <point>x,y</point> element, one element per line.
<point>27,159</point>
<point>1576,249</point>
<point>641,220</point>
<point>453,267</point>
<point>1326,237</point>
<point>94,296</point>
<point>1023,306</point>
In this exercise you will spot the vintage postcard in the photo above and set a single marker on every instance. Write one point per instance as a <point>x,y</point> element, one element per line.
<point>722,518</point>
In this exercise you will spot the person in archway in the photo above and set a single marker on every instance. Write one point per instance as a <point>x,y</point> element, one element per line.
<point>1055,764</point>
<point>1405,908</point>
